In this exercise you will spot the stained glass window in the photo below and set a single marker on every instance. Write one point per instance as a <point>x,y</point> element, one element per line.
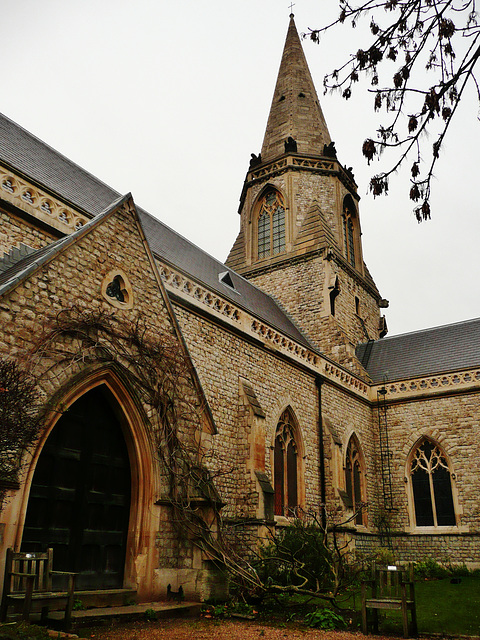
<point>432,487</point>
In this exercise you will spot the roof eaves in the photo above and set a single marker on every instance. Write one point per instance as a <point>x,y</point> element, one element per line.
<point>45,254</point>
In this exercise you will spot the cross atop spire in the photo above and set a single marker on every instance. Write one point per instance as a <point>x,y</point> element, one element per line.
<point>295,112</point>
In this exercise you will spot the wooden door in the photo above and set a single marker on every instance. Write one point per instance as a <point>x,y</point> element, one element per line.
<point>80,496</point>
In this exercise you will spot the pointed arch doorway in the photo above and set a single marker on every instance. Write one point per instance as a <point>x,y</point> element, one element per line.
<point>79,500</point>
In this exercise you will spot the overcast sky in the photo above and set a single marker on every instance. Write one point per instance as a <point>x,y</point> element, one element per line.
<point>168,99</point>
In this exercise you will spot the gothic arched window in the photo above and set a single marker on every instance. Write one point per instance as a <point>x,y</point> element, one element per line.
<point>431,486</point>
<point>355,479</point>
<point>285,467</point>
<point>348,217</point>
<point>271,225</point>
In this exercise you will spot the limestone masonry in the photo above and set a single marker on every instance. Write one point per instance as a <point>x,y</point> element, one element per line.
<point>276,370</point>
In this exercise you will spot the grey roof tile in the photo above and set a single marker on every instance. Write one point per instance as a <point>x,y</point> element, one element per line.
<point>33,158</point>
<point>32,261</point>
<point>43,165</point>
<point>432,351</point>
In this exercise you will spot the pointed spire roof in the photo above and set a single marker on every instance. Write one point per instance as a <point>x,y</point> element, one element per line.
<point>295,109</point>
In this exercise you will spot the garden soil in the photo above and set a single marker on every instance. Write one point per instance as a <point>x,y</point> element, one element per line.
<point>216,630</point>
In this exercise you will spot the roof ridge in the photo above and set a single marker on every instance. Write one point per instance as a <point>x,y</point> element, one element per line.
<point>33,260</point>
<point>427,329</point>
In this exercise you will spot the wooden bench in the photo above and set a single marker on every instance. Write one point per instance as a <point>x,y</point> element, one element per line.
<point>28,584</point>
<point>391,588</point>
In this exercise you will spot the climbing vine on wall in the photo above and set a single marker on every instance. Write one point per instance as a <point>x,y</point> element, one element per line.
<point>19,420</point>
<point>157,366</point>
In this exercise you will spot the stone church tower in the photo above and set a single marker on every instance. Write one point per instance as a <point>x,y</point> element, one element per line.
<point>300,236</point>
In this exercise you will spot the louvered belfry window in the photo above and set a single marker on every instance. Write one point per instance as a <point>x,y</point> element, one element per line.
<point>285,467</point>
<point>349,214</point>
<point>271,225</point>
<point>432,487</point>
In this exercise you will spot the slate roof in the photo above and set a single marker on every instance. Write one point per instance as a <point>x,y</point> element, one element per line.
<point>451,347</point>
<point>43,165</point>
<point>30,157</point>
<point>31,260</point>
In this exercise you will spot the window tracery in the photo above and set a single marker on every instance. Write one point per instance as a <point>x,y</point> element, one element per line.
<point>431,486</point>
<point>271,225</point>
<point>355,479</point>
<point>285,463</point>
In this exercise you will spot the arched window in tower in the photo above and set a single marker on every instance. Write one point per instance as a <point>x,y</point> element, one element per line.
<point>431,486</point>
<point>355,479</point>
<point>348,219</point>
<point>271,225</point>
<point>285,463</point>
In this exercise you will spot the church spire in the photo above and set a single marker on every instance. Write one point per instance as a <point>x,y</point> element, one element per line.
<point>295,111</point>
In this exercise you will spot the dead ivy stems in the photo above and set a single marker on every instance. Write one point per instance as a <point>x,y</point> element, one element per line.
<point>19,420</point>
<point>434,46</point>
<point>157,367</point>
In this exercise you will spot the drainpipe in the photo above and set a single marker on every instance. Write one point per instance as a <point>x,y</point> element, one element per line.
<point>321,451</point>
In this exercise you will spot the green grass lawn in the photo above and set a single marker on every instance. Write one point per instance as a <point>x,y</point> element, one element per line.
<point>442,607</point>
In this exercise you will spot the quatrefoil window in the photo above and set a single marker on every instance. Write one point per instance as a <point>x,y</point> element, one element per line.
<point>116,289</point>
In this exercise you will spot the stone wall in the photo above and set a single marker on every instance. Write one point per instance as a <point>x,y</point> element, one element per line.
<point>223,359</point>
<point>16,230</point>
<point>303,290</point>
<point>75,279</point>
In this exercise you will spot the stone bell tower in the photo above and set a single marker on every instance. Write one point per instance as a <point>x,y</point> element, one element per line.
<point>300,237</point>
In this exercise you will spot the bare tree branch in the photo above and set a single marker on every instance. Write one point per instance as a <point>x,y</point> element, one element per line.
<point>435,46</point>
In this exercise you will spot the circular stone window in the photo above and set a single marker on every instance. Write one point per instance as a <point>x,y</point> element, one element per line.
<point>117,290</point>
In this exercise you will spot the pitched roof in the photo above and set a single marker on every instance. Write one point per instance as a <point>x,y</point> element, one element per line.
<point>31,261</point>
<point>28,155</point>
<point>295,109</point>
<point>451,347</point>
<point>188,258</point>
<point>32,158</point>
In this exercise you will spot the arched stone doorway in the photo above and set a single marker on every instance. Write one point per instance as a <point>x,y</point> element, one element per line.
<point>79,500</point>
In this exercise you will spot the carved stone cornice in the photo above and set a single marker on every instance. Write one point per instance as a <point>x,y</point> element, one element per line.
<point>241,321</point>
<point>27,197</point>
<point>429,386</point>
<point>290,162</point>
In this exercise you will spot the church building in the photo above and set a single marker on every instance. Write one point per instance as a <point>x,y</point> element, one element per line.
<point>157,366</point>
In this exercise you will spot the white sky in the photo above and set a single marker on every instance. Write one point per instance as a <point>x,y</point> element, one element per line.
<point>168,99</point>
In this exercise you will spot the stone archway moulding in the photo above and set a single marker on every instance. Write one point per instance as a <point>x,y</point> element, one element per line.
<point>141,555</point>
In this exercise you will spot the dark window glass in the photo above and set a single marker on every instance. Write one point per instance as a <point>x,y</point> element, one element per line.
<point>292,476</point>
<point>285,467</point>
<point>432,487</point>
<point>278,476</point>
<point>349,213</point>
<point>422,498</point>
<point>442,489</point>
<point>354,479</point>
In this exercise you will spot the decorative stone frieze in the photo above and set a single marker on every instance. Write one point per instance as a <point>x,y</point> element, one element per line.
<point>38,203</point>
<point>432,385</point>
<point>193,293</point>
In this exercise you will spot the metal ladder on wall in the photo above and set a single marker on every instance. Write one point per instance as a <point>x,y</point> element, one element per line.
<point>385,453</point>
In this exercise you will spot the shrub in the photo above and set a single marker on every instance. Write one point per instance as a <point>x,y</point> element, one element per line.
<point>150,615</point>
<point>325,619</point>
<point>299,553</point>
